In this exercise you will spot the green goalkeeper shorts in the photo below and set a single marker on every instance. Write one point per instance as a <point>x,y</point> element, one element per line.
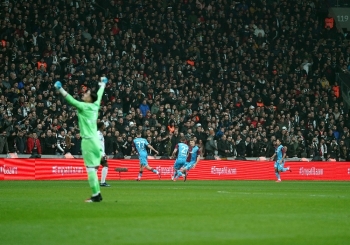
<point>92,152</point>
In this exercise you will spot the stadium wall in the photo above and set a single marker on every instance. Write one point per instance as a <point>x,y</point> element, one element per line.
<point>73,169</point>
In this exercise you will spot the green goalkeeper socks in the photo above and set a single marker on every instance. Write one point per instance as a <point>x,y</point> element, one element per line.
<point>93,181</point>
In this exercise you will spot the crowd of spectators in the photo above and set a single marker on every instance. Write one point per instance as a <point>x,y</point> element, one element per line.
<point>235,75</point>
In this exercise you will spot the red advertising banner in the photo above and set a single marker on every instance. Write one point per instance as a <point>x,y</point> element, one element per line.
<point>73,169</point>
<point>62,169</point>
<point>17,169</point>
<point>2,163</point>
<point>342,171</point>
<point>244,170</point>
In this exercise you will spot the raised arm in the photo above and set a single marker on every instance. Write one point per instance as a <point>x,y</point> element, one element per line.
<point>100,91</point>
<point>68,97</point>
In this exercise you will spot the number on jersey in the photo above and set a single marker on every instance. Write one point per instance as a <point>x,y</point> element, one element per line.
<point>184,152</point>
<point>141,145</point>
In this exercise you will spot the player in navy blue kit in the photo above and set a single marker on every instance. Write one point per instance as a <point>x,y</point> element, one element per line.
<point>141,146</point>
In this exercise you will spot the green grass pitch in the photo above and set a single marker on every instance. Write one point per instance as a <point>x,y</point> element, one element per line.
<point>165,212</point>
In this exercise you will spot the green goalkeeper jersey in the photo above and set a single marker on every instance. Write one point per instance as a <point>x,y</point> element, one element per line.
<point>87,114</point>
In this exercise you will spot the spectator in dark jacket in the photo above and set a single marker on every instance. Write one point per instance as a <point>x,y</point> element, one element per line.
<point>21,143</point>
<point>4,149</point>
<point>199,134</point>
<point>160,146</point>
<point>109,143</point>
<point>210,146</point>
<point>11,142</point>
<point>42,140</point>
<point>50,143</point>
<point>223,147</point>
<point>248,147</point>
<point>76,145</point>
<point>240,146</point>
<point>118,148</point>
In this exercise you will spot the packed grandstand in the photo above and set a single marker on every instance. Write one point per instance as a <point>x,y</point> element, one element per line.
<point>234,75</point>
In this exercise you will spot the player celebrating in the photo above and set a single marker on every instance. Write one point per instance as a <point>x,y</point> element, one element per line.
<point>280,152</point>
<point>104,163</point>
<point>181,149</point>
<point>91,148</point>
<point>192,159</point>
<point>140,144</point>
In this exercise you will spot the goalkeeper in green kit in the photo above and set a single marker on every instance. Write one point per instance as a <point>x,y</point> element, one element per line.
<point>87,118</point>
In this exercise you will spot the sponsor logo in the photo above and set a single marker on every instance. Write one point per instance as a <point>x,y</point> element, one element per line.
<point>8,170</point>
<point>165,170</point>
<point>67,170</point>
<point>311,171</point>
<point>349,171</point>
<point>223,171</point>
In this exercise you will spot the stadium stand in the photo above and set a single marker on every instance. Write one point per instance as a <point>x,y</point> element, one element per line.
<point>235,75</point>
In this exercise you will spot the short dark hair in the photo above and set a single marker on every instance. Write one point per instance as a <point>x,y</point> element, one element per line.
<point>100,125</point>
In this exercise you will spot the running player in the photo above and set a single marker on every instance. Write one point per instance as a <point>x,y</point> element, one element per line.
<point>281,167</point>
<point>192,158</point>
<point>87,117</point>
<point>181,150</point>
<point>140,144</point>
<point>280,152</point>
<point>104,163</point>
